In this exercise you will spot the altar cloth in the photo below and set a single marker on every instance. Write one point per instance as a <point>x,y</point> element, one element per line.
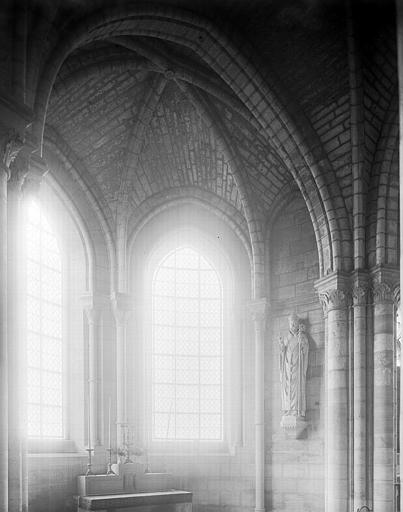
<point>164,501</point>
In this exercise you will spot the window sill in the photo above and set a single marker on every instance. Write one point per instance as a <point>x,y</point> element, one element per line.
<point>50,447</point>
<point>59,455</point>
<point>191,449</point>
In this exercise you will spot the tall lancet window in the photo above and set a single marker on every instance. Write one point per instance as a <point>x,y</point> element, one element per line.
<point>187,349</point>
<point>44,327</point>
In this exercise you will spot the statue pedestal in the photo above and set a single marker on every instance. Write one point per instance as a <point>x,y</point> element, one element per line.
<point>293,426</point>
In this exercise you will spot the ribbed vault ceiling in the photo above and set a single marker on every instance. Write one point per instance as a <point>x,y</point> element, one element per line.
<point>138,132</point>
<point>145,116</point>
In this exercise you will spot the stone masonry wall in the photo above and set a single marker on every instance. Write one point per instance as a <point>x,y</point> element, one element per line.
<point>294,468</point>
<point>52,481</point>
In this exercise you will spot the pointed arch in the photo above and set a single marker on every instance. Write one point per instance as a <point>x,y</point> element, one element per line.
<point>326,207</point>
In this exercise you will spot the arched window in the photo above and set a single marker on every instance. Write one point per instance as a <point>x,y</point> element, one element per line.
<point>187,349</point>
<point>44,327</point>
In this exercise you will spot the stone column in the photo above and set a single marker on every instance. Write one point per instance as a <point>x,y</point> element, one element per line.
<point>122,307</point>
<point>3,341</point>
<point>383,393</point>
<point>10,146</point>
<point>93,306</point>
<point>17,468</point>
<point>335,301</point>
<point>258,310</point>
<point>25,179</point>
<point>399,11</point>
<point>361,400</point>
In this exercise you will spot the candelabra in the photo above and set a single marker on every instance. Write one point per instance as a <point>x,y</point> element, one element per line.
<point>89,463</point>
<point>127,443</point>
<point>109,470</point>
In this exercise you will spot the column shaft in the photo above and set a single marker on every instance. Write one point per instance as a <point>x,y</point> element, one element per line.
<point>399,11</point>
<point>122,307</point>
<point>121,411</point>
<point>93,307</point>
<point>259,415</point>
<point>335,299</point>
<point>258,308</point>
<point>3,345</point>
<point>361,459</point>
<point>11,142</point>
<point>383,401</point>
<point>337,412</point>
<point>18,480</point>
<point>93,377</point>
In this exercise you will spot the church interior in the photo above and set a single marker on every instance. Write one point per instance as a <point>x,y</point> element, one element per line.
<point>200,255</point>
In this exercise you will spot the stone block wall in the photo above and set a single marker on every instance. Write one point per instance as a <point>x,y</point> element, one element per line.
<point>219,483</point>
<point>52,481</point>
<point>294,468</point>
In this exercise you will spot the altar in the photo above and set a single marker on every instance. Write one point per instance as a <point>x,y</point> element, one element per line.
<point>162,501</point>
<point>130,487</point>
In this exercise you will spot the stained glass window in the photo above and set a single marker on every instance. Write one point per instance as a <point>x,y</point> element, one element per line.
<point>44,327</point>
<point>187,349</point>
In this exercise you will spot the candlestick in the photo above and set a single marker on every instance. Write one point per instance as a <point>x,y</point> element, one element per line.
<point>109,470</point>
<point>127,445</point>
<point>89,463</point>
<point>89,417</point>
<point>109,425</point>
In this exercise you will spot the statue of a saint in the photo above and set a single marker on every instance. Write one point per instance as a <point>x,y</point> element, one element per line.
<point>293,365</point>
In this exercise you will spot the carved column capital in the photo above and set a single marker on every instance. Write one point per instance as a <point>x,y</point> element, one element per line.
<point>396,295</point>
<point>385,282</point>
<point>93,305</point>
<point>360,295</point>
<point>334,291</point>
<point>360,288</point>
<point>122,305</point>
<point>258,309</point>
<point>18,172</point>
<point>11,144</point>
<point>382,293</point>
<point>334,299</point>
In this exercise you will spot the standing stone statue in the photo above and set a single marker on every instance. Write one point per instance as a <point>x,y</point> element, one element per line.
<point>293,366</point>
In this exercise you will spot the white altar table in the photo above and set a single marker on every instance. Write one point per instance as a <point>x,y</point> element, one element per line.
<point>164,501</point>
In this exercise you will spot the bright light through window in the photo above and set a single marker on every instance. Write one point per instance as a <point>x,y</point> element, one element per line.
<point>187,349</point>
<point>44,327</point>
